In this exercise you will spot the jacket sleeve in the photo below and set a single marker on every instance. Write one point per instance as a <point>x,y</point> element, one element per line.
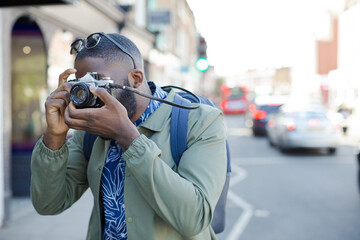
<point>58,178</point>
<point>184,199</point>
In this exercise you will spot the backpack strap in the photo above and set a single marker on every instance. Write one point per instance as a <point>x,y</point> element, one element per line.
<point>178,128</point>
<point>88,144</point>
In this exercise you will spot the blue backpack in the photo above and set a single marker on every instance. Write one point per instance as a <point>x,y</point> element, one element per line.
<point>178,142</point>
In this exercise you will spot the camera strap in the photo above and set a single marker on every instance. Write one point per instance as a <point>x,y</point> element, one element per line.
<point>194,96</point>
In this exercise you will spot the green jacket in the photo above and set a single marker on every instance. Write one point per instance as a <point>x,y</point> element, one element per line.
<point>162,200</point>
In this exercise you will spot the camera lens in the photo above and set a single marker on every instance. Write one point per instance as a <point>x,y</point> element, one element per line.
<point>81,96</point>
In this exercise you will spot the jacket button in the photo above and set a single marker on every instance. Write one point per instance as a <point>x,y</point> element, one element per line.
<point>99,169</point>
<point>129,220</point>
<point>127,174</point>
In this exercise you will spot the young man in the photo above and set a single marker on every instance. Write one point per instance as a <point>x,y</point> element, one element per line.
<point>139,192</point>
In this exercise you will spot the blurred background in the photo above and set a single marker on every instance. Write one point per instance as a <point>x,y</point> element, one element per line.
<point>284,72</point>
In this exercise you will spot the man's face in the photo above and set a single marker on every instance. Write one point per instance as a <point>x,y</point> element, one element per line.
<point>116,72</point>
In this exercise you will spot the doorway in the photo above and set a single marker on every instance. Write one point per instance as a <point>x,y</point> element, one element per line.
<point>28,90</point>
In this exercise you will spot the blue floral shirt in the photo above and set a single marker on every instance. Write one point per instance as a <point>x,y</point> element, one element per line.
<point>112,180</point>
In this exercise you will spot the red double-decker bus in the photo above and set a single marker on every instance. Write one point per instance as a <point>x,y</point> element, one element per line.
<point>234,100</point>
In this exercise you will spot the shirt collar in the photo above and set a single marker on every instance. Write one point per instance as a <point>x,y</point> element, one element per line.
<point>153,104</point>
<point>157,121</point>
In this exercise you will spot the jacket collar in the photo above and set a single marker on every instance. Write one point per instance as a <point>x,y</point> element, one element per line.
<point>157,119</point>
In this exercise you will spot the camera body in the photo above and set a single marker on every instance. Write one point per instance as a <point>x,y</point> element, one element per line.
<point>80,93</point>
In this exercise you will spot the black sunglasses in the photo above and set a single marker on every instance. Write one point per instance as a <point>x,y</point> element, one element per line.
<point>93,40</point>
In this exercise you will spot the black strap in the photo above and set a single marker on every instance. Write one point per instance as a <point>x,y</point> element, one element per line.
<point>88,144</point>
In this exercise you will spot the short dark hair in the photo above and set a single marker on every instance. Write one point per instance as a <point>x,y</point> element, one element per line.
<point>111,53</point>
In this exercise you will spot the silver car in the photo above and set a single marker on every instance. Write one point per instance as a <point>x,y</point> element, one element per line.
<point>302,127</point>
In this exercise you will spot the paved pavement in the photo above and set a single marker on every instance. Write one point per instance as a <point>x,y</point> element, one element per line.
<point>26,223</point>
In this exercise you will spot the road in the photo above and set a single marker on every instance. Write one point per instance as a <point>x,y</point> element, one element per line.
<point>300,195</point>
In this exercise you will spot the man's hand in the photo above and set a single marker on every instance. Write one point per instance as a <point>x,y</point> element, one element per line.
<point>55,105</point>
<point>109,121</point>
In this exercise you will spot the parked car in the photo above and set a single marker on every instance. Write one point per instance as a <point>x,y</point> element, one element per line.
<point>260,110</point>
<point>303,127</point>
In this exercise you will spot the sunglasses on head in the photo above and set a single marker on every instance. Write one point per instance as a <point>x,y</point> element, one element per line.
<point>93,40</point>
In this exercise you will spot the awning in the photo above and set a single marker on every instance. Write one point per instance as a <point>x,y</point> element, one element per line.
<point>14,3</point>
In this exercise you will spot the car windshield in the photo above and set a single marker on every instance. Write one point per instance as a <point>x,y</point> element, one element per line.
<point>308,115</point>
<point>236,92</point>
<point>271,108</point>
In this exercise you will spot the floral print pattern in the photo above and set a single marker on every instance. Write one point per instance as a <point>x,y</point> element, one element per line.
<point>112,180</point>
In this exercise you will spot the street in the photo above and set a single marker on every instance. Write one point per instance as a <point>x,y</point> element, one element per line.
<point>303,194</point>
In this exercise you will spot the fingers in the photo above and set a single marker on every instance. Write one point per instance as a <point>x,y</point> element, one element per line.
<point>58,100</point>
<point>102,94</point>
<point>87,114</point>
<point>64,95</point>
<point>80,113</point>
<point>64,87</point>
<point>64,76</point>
<point>79,118</point>
<point>55,105</point>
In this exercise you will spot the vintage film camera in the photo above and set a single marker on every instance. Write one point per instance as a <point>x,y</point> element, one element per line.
<point>80,93</point>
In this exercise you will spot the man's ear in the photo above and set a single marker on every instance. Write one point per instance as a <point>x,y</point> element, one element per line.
<point>136,77</point>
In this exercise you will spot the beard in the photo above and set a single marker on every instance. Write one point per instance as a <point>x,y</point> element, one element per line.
<point>127,99</point>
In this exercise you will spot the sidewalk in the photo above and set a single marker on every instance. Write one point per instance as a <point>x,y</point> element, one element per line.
<point>26,223</point>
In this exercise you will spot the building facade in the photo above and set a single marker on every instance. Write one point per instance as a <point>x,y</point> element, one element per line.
<point>344,82</point>
<point>174,58</point>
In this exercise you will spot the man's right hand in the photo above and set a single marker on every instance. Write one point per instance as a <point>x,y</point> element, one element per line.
<point>55,133</point>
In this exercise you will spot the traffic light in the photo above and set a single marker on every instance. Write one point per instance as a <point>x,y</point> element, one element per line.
<point>202,63</point>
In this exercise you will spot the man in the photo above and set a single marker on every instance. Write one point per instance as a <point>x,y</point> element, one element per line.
<point>139,192</point>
